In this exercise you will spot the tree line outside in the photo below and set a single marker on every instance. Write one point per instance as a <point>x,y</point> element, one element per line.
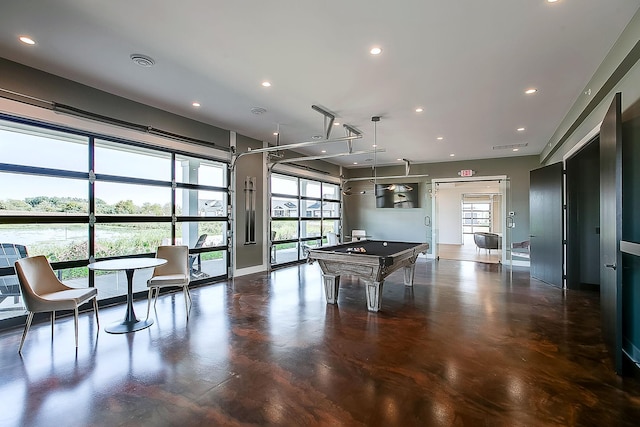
<point>129,238</point>
<point>80,205</point>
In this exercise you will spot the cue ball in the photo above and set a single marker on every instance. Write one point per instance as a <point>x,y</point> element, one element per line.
<point>384,244</point>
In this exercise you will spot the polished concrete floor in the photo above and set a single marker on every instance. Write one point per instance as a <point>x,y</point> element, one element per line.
<point>466,346</point>
<point>468,251</point>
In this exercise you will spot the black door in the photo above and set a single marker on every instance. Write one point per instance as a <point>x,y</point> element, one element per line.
<point>545,209</point>
<point>611,229</point>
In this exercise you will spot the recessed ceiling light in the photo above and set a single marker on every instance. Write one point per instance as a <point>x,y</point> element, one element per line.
<point>399,160</point>
<point>419,110</point>
<point>452,155</point>
<point>27,40</point>
<point>355,163</point>
<point>275,134</point>
<point>520,129</point>
<point>374,145</point>
<point>142,60</point>
<point>375,51</point>
<point>266,84</point>
<point>530,91</point>
<point>196,104</point>
<point>323,151</point>
<point>440,138</point>
<point>551,1</point>
<point>517,149</point>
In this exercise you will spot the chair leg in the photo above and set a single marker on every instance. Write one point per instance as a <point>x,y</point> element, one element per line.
<point>53,318</point>
<point>75,323</point>
<point>187,300</point>
<point>26,330</point>
<point>149,301</point>
<point>95,308</point>
<point>155,300</point>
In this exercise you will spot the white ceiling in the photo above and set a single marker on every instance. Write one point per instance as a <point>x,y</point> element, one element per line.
<point>467,63</point>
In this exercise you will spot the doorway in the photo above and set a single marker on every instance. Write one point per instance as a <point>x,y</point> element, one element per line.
<point>463,207</point>
<point>582,223</point>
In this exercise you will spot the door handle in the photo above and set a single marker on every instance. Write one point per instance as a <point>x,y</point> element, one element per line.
<point>612,266</point>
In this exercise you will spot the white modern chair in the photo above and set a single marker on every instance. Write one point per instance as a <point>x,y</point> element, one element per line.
<point>357,235</point>
<point>43,292</point>
<point>332,239</point>
<point>174,273</point>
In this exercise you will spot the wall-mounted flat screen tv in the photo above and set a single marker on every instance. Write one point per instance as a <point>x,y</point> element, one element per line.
<point>401,196</point>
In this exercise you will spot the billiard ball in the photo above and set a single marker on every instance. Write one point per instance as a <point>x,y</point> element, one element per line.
<point>384,244</point>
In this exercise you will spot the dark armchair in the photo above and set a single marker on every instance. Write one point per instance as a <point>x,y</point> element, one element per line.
<point>487,241</point>
<point>196,257</point>
<point>9,254</point>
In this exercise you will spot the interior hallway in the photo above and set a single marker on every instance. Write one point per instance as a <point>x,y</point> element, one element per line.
<point>465,346</point>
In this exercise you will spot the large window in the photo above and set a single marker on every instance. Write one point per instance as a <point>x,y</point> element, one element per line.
<point>75,197</point>
<point>476,216</point>
<point>303,211</point>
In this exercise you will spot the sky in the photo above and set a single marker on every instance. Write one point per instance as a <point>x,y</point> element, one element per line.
<point>71,153</point>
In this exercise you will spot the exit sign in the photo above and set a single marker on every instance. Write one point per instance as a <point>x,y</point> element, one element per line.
<point>466,172</point>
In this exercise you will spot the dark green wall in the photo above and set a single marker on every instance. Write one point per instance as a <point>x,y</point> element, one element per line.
<point>631,232</point>
<point>249,255</point>
<point>38,84</point>
<point>361,209</point>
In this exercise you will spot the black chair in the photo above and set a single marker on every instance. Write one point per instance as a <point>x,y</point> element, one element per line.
<point>487,241</point>
<point>196,257</point>
<point>273,247</point>
<point>9,254</point>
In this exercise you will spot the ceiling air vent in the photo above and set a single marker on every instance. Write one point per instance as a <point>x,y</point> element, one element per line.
<point>510,146</point>
<point>258,110</point>
<point>142,60</point>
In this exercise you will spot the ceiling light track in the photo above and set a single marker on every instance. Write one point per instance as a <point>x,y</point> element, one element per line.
<point>234,160</point>
<point>326,156</point>
<point>329,118</point>
<point>368,178</point>
<point>351,131</point>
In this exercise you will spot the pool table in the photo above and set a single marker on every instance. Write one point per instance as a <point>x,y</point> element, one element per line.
<point>378,260</point>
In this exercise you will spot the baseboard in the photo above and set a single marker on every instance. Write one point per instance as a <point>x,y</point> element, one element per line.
<point>250,270</point>
<point>592,287</point>
<point>517,263</point>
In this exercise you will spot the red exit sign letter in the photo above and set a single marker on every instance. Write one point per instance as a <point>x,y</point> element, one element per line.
<point>466,172</point>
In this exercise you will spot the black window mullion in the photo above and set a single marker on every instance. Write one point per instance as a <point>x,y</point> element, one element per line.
<point>116,219</point>
<point>173,198</point>
<point>201,218</point>
<point>48,172</point>
<point>130,180</point>
<point>200,187</point>
<point>92,208</point>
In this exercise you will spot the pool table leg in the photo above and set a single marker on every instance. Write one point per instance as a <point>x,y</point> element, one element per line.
<point>331,285</point>
<point>374,290</point>
<point>408,274</point>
